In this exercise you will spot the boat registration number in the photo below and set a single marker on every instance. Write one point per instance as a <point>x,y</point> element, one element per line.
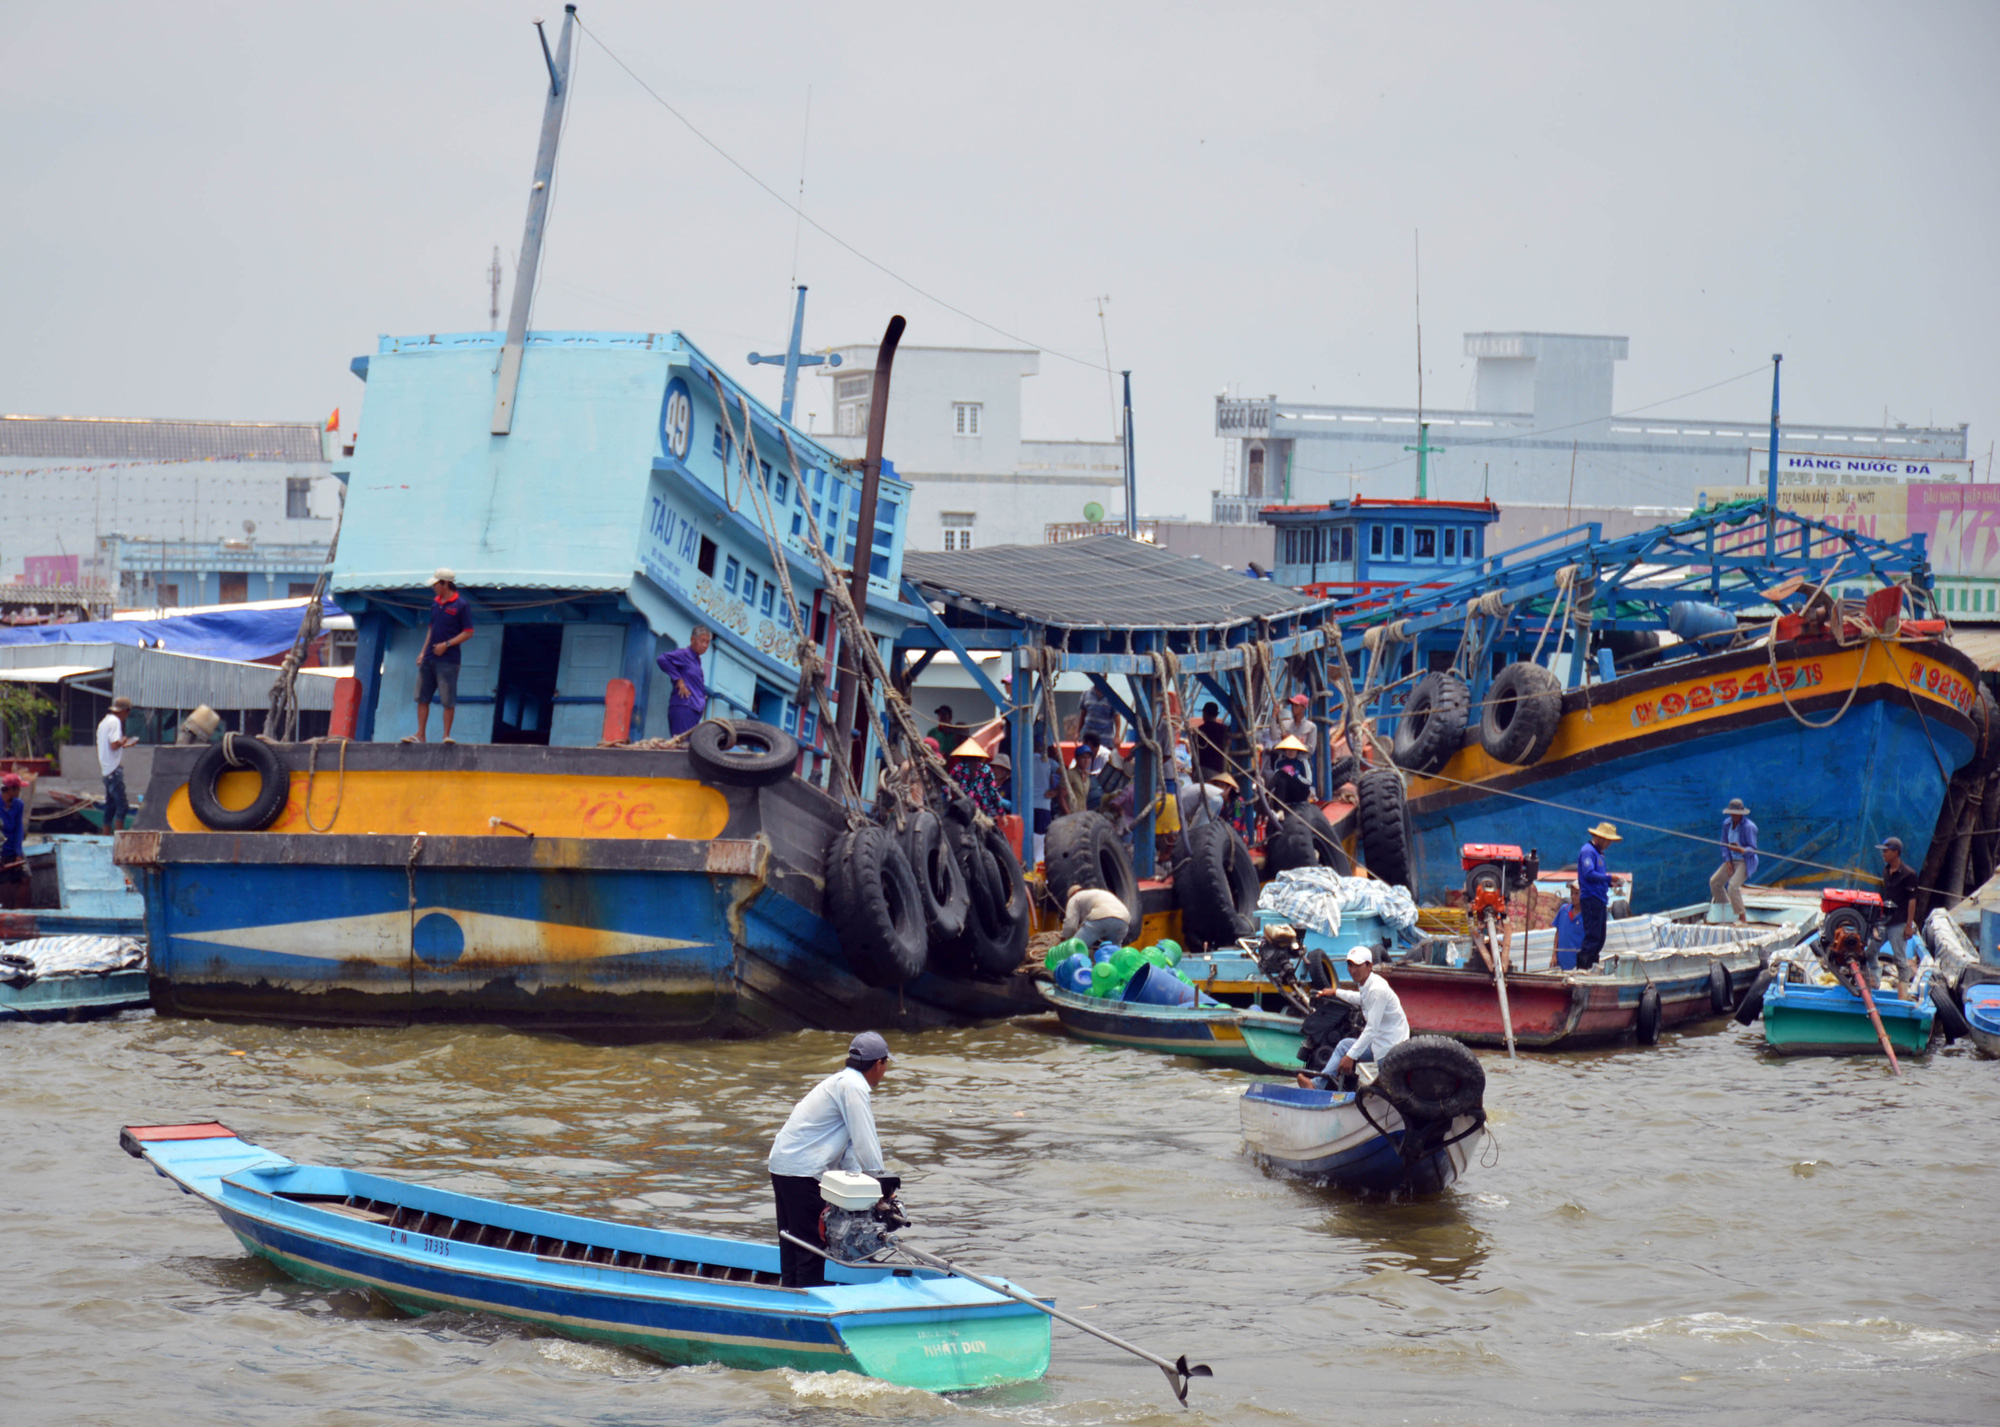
<point>1716,693</point>
<point>424,1242</point>
<point>1936,679</point>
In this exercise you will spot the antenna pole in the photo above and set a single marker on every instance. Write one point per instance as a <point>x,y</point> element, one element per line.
<point>1771,474</point>
<point>1423,437</point>
<point>538,213</point>
<point>1131,477</point>
<point>493,276</point>
<point>1104,329</point>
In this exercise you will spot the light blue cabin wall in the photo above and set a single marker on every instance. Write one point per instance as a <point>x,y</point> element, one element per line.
<point>478,674</point>
<point>592,656</point>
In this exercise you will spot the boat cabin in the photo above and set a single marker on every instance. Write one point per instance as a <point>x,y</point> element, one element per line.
<point>618,513</point>
<point>1348,547</point>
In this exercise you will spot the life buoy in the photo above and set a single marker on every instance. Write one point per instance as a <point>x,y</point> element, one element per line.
<point>239,751</point>
<point>875,908</point>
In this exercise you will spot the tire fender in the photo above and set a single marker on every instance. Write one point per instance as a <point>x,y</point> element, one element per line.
<point>239,751</point>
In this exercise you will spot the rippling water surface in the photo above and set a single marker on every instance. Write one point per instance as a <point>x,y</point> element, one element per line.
<point>1691,1233</point>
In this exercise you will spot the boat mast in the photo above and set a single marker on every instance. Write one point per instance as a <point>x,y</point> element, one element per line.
<point>1131,479</point>
<point>793,358</point>
<point>538,213</point>
<point>854,690</point>
<point>1771,477</point>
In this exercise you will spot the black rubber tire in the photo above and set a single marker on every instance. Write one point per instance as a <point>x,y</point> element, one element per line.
<point>1843,917</point>
<point>1650,1017</point>
<point>1385,825</point>
<point>1950,1015</point>
<point>1084,850</point>
<point>236,751</point>
<point>1341,771</point>
<point>1430,1078</point>
<point>1486,874</point>
<point>1986,718</point>
<point>1207,883</point>
<point>941,883</point>
<point>1524,707</point>
<point>743,752</point>
<point>1431,726</point>
<point>1619,910</point>
<point>1326,844</point>
<point>962,836</point>
<point>1291,844</point>
<point>1720,1002</point>
<point>995,940</point>
<point>1751,1006</point>
<point>875,907</point>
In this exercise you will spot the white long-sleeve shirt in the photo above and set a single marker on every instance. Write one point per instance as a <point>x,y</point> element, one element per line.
<point>109,755</point>
<point>1383,1022</point>
<point>1089,904</point>
<point>833,1127</point>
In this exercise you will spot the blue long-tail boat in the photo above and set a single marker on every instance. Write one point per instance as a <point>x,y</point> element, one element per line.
<point>686,1298</point>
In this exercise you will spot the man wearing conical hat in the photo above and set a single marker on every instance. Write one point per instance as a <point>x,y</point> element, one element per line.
<point>971,767</point>
<point>1593,884</point>
<point>1289,775</point>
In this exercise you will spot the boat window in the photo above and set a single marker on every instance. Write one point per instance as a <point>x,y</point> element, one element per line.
<point>1346,543</point>
<point>1451,542</point>
<point>1465,543</point>
<point>729,575</point>
<point>798,523</point>
<point>704,560</point>
<point>1426,542</point>
<point>769,590</point>
<point>1375,540</point>
<point>1399,541</point>
<point>749,588</point>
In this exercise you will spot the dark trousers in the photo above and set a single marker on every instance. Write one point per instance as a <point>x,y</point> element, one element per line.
<point>1594,913</point>
<point>682,717</point>
<point>798,1215</point>
<point>117,806</point>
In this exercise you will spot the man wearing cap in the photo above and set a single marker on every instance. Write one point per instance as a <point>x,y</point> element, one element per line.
<point>1898,922</point>
<point>1295,722</point>
<point>1383,1023</point>
<point>1739,859</point>
<point>689,700</point>
<point>13,826</point>
<point>949,731</point>
<point>437,661</point>
<point>832,1128</point>
<point>1593,882</point>
<point>111,746</point>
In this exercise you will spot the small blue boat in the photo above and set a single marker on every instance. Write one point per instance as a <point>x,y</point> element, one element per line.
<point>72,978</point>
<point>686,1298</point>
<point>1832,1020</point>
<point>1337,1138</point>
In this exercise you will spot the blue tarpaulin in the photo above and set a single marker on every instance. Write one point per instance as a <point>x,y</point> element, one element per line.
<point>222,634</point>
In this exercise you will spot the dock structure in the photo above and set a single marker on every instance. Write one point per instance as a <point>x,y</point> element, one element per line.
<point>1108,606</point>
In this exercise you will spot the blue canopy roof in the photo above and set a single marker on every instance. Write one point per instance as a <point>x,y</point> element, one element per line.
<point>220,634</point>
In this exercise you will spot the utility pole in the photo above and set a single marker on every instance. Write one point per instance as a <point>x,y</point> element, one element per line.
<point>1131,478</point>
<point>493,283</point>
<point>793,359</point>
<point>538,215</point>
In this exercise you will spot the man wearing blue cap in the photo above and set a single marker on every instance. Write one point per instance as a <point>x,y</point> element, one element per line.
<point>832,1128</point>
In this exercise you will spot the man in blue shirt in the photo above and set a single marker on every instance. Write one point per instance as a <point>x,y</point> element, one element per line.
<point>13,824</point>
<point>1739,859</point>
<point>1593,885</point>
<point>690,697</point>
<point>437,661</point>
<point>1569,930</point>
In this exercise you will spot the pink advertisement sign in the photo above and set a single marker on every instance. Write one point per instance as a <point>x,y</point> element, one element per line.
<point>46,570</point>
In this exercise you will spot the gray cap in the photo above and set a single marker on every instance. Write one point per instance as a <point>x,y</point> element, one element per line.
<point>868,1046</point>
<point>1889,844</point>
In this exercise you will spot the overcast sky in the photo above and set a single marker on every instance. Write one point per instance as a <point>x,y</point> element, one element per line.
<point>210,208</point>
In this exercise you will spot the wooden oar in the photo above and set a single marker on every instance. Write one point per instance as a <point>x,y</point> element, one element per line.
<point>1500,985</point>
<point>1881,1031</point>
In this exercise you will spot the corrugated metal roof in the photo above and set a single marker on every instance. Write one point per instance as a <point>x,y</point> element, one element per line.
<point>1105,581</point>
<point>116,438</point>
<point>160,678</point>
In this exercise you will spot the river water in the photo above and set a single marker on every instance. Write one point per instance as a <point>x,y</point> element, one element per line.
<point>1695,1232</point>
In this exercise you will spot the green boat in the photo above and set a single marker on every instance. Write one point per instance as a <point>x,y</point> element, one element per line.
<point>1832,1020</point>
<point>1210,1033</point>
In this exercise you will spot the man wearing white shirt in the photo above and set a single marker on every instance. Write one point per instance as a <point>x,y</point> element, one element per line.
<point>833,1127</point>
<point>111,746</point>
<point>1383,1022</point>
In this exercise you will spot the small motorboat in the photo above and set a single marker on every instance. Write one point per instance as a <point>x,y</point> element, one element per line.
<point>1212,1033</point>
<point>1808,1010</point>
<point>1411,1128</point>
<point>1965,990</point>
<point>686,1298</point>
<point>72,978</point>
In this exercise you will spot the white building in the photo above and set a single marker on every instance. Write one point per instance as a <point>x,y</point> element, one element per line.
<point>955,435</point>
<point>164,512</point>
<point>1542,432</point>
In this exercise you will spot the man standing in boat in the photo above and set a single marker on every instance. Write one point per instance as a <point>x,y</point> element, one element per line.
<point>832,1128</point>
<point>1593,883</point>
<point>1383,1024</point>
<point>437,661</point>
<point>1898,921</point>
<point>111,746</point>
<point>690,696</point>
<point>1739,859</point>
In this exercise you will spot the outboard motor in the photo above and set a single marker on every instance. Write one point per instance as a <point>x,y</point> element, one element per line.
<point>861,1212</point>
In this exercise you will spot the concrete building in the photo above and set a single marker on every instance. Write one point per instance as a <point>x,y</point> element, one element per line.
<point>1543,415</point>
<point>145,513</point>
<point>955,435</point>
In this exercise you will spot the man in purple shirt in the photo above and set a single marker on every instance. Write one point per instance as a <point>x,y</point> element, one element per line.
<point>690,696</point>
<point>437,661</point>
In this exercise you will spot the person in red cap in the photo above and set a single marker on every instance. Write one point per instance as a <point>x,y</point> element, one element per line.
<point>13,824</point>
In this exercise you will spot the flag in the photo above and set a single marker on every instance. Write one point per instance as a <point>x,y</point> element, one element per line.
<point>333,421</point>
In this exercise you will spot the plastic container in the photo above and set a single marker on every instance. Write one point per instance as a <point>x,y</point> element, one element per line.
<point>1173,950</point>
<point>1127,960</point>
<point>1151,986</point>
<point>1153,956</point>
<point>845,1189</point>
<point>1103,979</point>
<point>1105,951</point>
<point>1077,978</point>
<point>1066,971</point>
<point>1062,951</point>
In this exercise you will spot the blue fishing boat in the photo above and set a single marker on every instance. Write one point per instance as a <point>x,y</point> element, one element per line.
<point>86,892</point>
<point>78,977</point>
<point>686,1298</point>
<point>564,861</point>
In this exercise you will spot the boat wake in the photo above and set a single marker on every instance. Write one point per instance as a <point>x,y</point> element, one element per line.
<point>1835,1344</point>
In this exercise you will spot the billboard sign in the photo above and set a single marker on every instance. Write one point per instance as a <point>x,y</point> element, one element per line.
<point>1960,523</point>
<point>1808,466</point>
